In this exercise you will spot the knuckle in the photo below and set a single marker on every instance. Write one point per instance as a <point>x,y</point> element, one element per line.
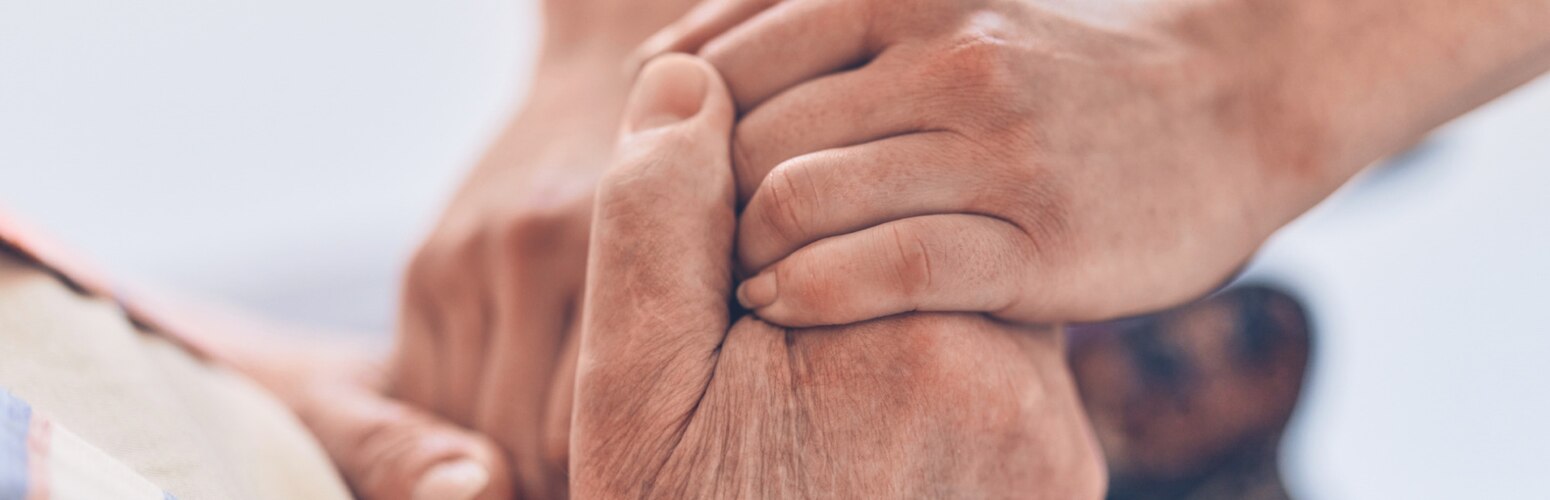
<point>981,71</point>
<point>424,266</point>
<point>911,260</point>
<point>442,259</point>
<point>989,36</point>
<point>1042,213</point>
<point>533,230</point>
<point>787,203</point>
<point>386,453</point>
<point>978,62</point>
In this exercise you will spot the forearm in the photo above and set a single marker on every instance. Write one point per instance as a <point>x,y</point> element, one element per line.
<point>1349,81</point>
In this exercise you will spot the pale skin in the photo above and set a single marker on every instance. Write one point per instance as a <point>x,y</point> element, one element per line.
<point>675,398</point>
<point>1049,160</point>
<point>487,328</point>
<point>1054,161</point>
<point>540,243</point>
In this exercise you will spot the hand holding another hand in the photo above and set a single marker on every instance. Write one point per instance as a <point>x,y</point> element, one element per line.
<point>675,400</point>
<point>1042,161</point>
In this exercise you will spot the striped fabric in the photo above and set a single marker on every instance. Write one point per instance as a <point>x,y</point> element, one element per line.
<point>39,460</point>
<point>159,414</point>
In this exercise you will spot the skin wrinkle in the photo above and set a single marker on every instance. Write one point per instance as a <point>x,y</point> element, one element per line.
<point>1088,106</point>
<point>793,398</point>
<point>933,370</point>
<point>783,198</point>
<point>683,428</point>
<point>913,274</point>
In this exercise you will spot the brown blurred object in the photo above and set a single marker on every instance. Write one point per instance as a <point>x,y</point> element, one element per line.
<point>1191,403</point>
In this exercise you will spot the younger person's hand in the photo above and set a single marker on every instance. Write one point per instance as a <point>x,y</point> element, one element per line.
<point>1038,160</point>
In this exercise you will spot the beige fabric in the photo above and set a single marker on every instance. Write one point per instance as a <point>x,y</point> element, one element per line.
<point>197,431</point>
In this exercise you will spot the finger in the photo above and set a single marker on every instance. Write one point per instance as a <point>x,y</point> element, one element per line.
<point>833,111</point>
<point>659,272</point>
<point>465,317</point>
<point>953,262</point>
<point>789,43</point>
<point>539,283</point>
<point>557,420</point>
<point>663,221</point>
<point>839,191</point>
<point>414,372</point>
<point>388,451</point>
<point>703,22</point>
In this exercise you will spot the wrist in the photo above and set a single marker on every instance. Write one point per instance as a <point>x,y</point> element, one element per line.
<point>1241,73</point>
<point>1334,85</point>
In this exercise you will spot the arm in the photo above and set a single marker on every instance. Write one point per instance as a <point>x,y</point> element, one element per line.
<point>1363,79</point>
<point>1048,160</point>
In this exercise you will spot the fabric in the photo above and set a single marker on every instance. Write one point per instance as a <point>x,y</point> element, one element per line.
<point>32,246</point>
<point>42,460</point>
<point>190,428</point>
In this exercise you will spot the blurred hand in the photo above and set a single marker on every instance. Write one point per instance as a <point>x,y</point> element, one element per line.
<point>384,449</point>
<point>490,298</point>
<point>387,450</point>
<point>1039,160</point>
<point>675,401</point>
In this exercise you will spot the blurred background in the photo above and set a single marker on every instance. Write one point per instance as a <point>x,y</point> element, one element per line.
<point>287,155</point>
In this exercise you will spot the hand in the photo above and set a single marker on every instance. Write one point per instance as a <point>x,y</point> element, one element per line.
<point>388,450</point>
<point>486,333</point>
<point>490,297</point>
<point>1038,160</point>
<point>384,449</point>
<point>675,401</point>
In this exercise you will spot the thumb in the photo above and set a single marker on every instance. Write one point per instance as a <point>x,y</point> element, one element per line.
<point>659,274</point>
<point>387,450</point>
<point>663,225</point>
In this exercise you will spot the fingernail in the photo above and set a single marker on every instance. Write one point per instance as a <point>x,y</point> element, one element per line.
<point>670,89</point>
<point>757,292</point>
<point>461,479</point>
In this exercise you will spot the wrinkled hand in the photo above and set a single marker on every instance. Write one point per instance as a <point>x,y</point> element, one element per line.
<point>675,401</point>
<point>1039,160</point>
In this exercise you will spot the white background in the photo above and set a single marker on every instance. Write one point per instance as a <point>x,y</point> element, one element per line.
<point>287,154</point>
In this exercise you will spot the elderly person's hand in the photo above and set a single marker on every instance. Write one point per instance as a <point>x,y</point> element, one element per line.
<point>673,400</point>
<point>1051,160</point>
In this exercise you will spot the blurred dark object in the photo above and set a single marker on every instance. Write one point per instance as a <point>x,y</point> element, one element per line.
<point>1191,403</point>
